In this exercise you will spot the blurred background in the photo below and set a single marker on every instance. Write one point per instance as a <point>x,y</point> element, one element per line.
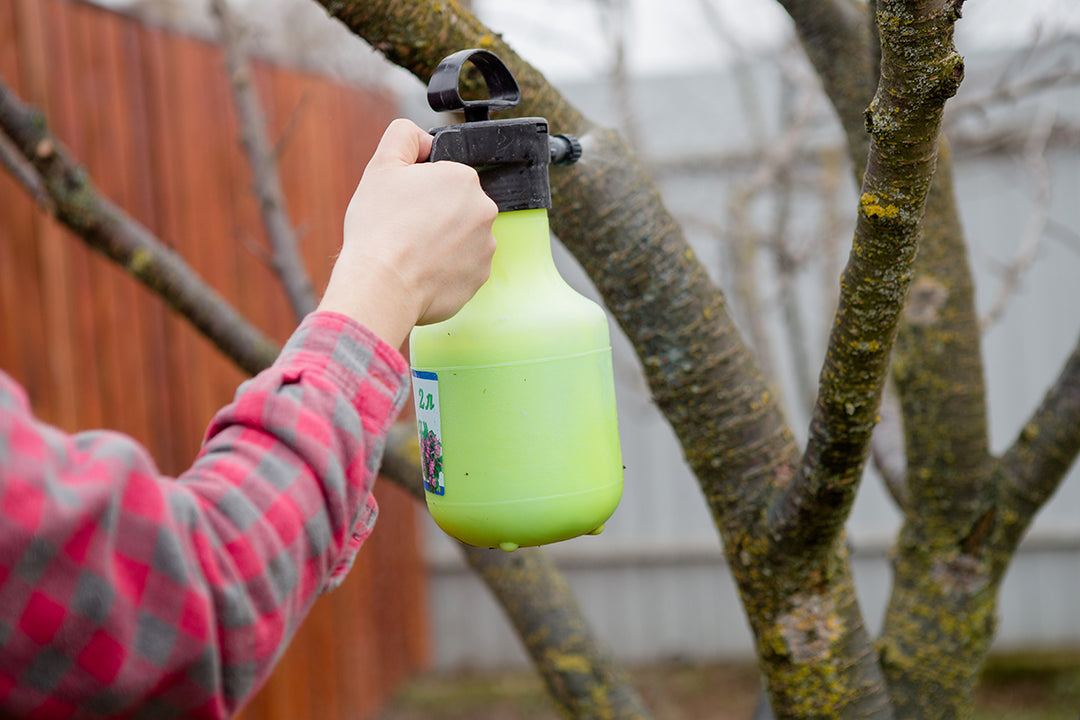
<point>719,102</point>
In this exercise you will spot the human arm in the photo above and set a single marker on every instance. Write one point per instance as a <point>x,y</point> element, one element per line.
<point>124,593</point>
<point>121,591</point>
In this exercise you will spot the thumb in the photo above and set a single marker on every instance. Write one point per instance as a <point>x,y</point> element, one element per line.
<point>403,143</point>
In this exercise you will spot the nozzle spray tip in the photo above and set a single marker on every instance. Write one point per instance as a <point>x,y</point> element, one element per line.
<point>565,149</point>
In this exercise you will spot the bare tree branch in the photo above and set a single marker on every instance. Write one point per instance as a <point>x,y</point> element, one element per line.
<point>24,173</point>
<point>286,260</point>
<point>579,674</point>
<point>290,127</point>
<point>904,120</point>
<point>969,143</point>
<point>1006,90</point>
<point>617,22</point>
<point>787,264</point>
<point>744,81</point>
<point>965,142</point>
<point>114,233</point>
<point>1068,237</point>
<point>1041,455</point>
<point>611,217</point>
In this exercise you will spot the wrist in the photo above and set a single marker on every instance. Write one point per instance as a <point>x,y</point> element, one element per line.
<point>377,298</point>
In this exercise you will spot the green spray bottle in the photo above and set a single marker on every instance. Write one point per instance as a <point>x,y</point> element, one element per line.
<point>514,395</point>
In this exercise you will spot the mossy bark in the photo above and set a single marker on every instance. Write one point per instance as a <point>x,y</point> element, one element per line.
<point>919,71</point>
<point>940,618</point>
<point>1033,467</point>
<point>817,655</point>
<point>780,514</point>
<point>580,676</point>
<point>967,512</point>
<point>780,517</point>
<point>610,216</point>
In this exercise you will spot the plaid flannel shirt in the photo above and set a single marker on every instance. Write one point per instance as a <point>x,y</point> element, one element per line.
<point>126,594</point>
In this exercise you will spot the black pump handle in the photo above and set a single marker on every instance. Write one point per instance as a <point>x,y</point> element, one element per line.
<point>443,93</point>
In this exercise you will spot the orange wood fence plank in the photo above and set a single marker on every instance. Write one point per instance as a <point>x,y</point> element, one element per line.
<point>149,113</point>
<point>162,152</point>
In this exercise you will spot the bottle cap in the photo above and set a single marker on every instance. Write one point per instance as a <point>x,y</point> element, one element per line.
<point>511,156</point>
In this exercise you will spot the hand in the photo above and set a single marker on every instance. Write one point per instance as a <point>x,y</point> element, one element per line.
<point>418,240</point>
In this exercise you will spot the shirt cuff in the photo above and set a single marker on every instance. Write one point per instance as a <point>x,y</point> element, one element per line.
<point>361,530</point>
<point>357,361</point>
<point>348,352</point>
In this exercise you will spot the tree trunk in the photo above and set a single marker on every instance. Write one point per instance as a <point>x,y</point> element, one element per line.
<point>780,512</point>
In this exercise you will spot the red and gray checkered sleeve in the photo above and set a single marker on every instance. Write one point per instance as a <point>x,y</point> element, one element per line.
<point>126,594</point>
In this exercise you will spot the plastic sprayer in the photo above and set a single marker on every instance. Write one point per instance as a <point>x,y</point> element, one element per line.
<point>514,395</point>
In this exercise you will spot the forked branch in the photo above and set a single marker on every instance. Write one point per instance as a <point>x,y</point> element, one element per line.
<point>920,71</point>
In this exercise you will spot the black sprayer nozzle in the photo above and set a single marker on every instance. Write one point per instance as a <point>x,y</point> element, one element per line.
<point>511,156</point>
<point>565,149</point>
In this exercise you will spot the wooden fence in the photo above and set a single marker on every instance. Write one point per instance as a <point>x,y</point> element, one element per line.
<point>150,115</point>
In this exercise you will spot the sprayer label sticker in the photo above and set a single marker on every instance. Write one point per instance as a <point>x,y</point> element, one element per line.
<point>426,399</point>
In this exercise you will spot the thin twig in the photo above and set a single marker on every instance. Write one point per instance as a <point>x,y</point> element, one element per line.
<point>834,229</point>
<point>286,259</point>
<point>774,164</point>
<point>253,246</point>
<point>618,12</point>
<point>969,143</point>
<point>1064,234</point>
<point>965,142</point>
<point>787,259</point>
<point>1035,159</point>
<point>1005,92</point>
<point>289,130</point>
<point>741,72</point>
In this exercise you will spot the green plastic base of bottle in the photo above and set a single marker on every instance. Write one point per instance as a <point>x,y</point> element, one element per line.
<point>516,404</point>
<point>528,522</point>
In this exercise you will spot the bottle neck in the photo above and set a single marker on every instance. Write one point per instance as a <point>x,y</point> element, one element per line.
<point>523,246</point>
